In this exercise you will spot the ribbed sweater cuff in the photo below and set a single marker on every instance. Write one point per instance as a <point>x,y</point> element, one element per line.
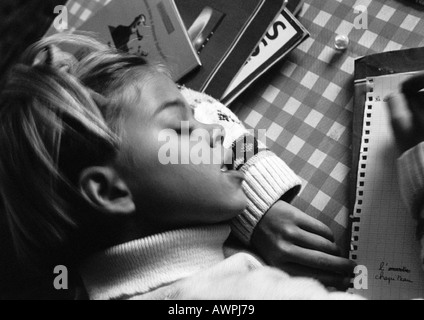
<point>268,179</point>
<point>411,178</point>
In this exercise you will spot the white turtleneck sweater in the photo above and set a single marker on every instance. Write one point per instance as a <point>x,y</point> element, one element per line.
<point>153,268</point>
<point>143,265</point>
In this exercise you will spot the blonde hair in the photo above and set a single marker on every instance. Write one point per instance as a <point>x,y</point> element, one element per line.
<point>58,115</point>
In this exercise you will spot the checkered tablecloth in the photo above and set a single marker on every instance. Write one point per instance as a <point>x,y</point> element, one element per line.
<point>306,102</point>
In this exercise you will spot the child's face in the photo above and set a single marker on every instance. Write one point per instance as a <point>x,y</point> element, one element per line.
<point>175,195</point>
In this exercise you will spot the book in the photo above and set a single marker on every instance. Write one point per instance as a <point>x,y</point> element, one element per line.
<point>150,28</point>
<point>234,31</point>
<point>285,34</point>
<point>295,6</point>
<point>383,232</point>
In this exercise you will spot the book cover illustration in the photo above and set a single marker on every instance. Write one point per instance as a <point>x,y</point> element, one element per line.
<point>149,28</point>
<point>130,38</point>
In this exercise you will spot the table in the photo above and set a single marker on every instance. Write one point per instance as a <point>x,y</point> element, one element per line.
<point>306,102</point>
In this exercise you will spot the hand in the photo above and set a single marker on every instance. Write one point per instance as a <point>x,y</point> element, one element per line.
<point>407,113</point>
<point>302,246</point>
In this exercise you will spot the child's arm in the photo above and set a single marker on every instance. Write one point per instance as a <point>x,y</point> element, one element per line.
<point>281,234</point>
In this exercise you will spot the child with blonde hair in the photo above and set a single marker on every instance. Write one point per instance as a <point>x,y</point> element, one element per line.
<point>82,185</point>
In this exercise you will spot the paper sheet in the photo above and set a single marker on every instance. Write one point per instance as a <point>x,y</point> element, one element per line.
<point>384,239</point>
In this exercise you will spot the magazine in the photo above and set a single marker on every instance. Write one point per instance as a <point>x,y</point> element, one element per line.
<point>149,28</point>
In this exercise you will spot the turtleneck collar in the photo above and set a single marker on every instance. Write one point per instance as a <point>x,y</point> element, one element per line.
<point>143,265</point>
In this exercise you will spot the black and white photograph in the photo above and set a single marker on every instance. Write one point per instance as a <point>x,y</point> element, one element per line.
<point>212,155</point>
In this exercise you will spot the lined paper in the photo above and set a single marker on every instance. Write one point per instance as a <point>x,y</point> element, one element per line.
<point>383,237</point>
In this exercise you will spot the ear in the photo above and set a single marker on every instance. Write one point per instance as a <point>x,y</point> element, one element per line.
<point>105,191</point>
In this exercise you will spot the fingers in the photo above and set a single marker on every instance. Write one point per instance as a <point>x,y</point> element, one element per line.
<point>295,237</point>
<point>306,222</point>
<point>413,91</point>
<point>321,261</point>
<point>413,85</point>
<point>416,105</point>
<point>312,241</point>
<point>402,120</point>
<point>313,225</point>
<point>401,115</point>
<point>407,116</point>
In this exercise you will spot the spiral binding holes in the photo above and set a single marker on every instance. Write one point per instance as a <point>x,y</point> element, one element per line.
<point>356,219</point>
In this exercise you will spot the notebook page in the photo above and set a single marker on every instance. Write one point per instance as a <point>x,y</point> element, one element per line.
<point>383,231</point>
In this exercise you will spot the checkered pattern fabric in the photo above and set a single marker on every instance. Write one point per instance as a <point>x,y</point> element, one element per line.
<point>306,101</point>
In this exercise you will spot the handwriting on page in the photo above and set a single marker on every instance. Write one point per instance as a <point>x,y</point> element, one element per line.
<point>391,274</point>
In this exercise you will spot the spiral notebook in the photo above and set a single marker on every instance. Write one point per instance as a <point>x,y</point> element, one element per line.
<point>383,232</point>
